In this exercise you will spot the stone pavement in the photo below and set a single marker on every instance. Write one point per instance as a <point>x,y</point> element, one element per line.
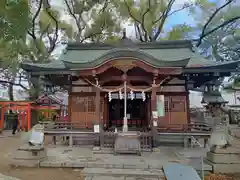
<point>84,157</point>
<point>119,167</point>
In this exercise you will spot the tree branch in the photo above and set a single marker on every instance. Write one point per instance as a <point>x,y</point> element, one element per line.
<point>72,13</point>
<point>143,21</point>
<point>103,26</point>
<point>13,83</point>
<point>216,28</point>
<point>163,18</point>
<point>135,19</point>
<point>32,33</point>
<point>55,38</point>
<point>209,21</point>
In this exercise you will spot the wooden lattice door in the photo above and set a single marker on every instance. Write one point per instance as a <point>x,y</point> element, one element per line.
<point>83,110</point>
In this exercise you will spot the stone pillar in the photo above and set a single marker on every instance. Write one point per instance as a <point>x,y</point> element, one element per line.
<point>154,119</point>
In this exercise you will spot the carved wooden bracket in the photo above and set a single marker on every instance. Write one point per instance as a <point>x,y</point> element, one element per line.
<point>124,65</point>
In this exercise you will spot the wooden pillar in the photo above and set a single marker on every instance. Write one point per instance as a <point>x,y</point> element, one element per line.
<point>98,115</point>
<point>98,105</point>
<point>28,116</point>
<point>187,103</point>
<point>154,119</point>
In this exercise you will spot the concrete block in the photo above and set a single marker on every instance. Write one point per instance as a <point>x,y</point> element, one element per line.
<point>223,158</point>
<point>21,154</point>
<point>226,168</point>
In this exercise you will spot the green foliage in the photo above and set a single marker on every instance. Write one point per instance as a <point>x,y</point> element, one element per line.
<point>14,19</point>
<point>93,20</point>
<point>178,32</point>
<point>150,16</point>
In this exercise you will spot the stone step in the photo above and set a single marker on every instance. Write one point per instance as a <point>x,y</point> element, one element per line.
<point>137,173</point>
<point>121,178</point>
<point>86,164</point>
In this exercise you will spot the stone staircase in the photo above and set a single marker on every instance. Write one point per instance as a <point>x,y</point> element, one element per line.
<point>122,174</point>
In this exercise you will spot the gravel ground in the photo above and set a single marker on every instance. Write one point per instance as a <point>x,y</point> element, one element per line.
<point>9,144</point>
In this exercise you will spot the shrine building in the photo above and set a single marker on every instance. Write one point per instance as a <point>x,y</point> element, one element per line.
<point>130,85</point>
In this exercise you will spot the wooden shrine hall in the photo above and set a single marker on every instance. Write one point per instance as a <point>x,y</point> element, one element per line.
<point>130,85</point>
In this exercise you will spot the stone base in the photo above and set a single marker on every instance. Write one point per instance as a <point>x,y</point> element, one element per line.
<point>224,160</point>
<point>225,168</point>
<point>28,156</point>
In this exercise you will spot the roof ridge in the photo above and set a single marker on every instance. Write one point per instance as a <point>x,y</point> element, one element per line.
<point>147,45</point>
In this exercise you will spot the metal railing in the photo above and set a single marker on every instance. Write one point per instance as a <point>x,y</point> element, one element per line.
<point>195,142</point>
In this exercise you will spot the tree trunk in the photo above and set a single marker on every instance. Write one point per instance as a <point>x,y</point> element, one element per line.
<point>10,92</point>
<point>35,88</point>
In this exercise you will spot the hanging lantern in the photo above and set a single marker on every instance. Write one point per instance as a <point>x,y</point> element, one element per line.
<point>143,96</point>
<point>132,95</point>
<point>120,94</point>
<point>109,96</point>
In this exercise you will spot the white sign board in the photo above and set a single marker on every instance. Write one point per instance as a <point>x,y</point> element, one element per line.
<point>96,128</point>
<point>155,123</point>
<point>155,114</point>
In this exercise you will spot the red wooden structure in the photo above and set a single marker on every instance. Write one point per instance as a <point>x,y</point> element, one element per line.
<point>24,111</point>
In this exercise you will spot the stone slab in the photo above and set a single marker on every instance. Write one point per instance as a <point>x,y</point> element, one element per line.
<point>27,147</point>
<point>19,154</point>
<point>24,163</point>
<point>226,168</point>
<point>119,178</point>
<point>104,178</point>
<point>153,173</point>
<point>223,158</point>
<point>228,150</point>
<point>175,171</point>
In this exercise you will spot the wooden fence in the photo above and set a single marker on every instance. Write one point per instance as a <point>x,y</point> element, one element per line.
<point>192,127</point>
<point>75,136</point>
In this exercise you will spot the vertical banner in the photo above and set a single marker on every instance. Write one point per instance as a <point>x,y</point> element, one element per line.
<point>160,106</point>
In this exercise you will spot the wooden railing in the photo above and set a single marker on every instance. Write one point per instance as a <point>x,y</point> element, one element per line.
<point>63,125</point>
<point>193,127</point>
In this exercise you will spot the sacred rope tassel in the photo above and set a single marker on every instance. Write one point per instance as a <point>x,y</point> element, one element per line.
<point>120,94</point>
<point>109,96</point>
<point>132,95</point>
<point>143,96</point>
